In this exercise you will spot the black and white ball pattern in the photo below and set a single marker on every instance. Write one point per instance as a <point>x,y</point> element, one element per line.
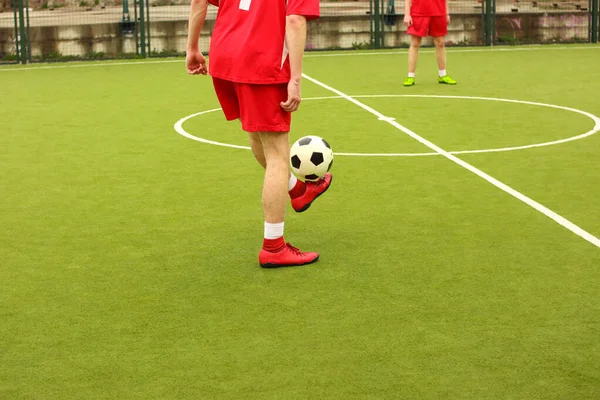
<point>311,157</point>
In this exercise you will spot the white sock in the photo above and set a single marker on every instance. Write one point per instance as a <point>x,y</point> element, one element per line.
<point>442,72</point>
<point>411,74</point>
<point>292,182</point>
<point>273,231</point>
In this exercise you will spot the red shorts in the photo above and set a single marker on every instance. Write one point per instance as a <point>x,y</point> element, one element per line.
<point>257,106</point>
<point>428,26</point>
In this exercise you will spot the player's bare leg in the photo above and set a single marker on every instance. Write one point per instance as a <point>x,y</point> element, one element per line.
<point>257,148</point>
<point>440,52</point>
<point>276,149</point>
<point>440,55</point>
<point>302,194</point>
<point>276,252</point>
<point>413,55</point>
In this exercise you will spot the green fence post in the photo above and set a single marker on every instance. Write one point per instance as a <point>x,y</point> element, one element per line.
<point>381,16</point>
<point>595,21</point>
<point>493,30</point>
<point>483,29</point>
<point>28,34</point>
<point>135,28</point>
<point>22,33</point>
<point>377,24</point>
<point>17,47</point>
<point>148,27</point>
<point>371,23</point>
<point>142,29</point>
<point>488,22</point>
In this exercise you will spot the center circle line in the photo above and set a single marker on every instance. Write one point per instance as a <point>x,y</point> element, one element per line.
<point>179,125</point>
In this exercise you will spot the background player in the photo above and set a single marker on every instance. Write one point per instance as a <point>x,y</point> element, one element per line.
<point>423,18</point>
<point>256,53</point>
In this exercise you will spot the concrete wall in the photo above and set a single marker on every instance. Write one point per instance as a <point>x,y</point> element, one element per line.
<point>326,33</point>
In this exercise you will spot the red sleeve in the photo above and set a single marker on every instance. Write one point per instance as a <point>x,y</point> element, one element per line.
<point>307,8</point>
<point>214,2</point>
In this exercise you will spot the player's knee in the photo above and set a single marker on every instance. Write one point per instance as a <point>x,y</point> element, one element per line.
<point>415,43</point>
<point>439,42</point>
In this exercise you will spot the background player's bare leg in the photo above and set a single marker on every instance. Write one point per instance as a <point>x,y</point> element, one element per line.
<point>413,53</point>
<point>440,52</point>
<point>276,147</point>
<point>257,148</point>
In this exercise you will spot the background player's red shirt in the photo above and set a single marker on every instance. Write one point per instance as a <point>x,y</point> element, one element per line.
<point>428,8</point>
<point>248,40</point>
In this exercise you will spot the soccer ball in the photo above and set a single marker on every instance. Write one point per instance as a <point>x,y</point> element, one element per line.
<point>311,157</point>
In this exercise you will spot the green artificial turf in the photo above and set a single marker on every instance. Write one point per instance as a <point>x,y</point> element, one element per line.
<point>128,253</point>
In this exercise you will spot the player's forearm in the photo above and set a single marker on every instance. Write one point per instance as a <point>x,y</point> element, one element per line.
<point>407,5</point>
<point>196,21</point>
<point>295,37</point>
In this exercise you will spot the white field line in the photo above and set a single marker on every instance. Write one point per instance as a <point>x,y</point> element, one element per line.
<point>532,203</point>
<point>179,126</point>
<point>455,50</point>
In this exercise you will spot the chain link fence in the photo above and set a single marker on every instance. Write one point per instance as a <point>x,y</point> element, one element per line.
<point>543,21</point>
<point>62,30</point>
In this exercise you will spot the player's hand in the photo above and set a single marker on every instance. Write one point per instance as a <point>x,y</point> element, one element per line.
<point>294,99</point>
<point>196,63</point>
<point>448,18</point>
<point>408,20</point>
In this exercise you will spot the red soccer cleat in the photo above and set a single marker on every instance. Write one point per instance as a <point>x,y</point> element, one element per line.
<point>288,256</point>
<point>312,191</point>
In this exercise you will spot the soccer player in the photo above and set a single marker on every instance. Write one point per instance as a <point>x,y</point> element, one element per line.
<point>423,18</point>
<point>256,54</point>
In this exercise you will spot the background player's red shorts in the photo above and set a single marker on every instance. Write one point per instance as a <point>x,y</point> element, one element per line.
<point>257,106</point>
<point>432,26</point>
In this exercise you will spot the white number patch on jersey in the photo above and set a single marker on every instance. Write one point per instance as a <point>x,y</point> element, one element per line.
<point>245,5</point>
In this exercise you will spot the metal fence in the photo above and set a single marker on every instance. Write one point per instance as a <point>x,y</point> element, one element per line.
<point>61,30</point>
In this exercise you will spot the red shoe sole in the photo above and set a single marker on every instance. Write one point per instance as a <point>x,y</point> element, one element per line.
<point>306,207</point>
<point>271,265</point>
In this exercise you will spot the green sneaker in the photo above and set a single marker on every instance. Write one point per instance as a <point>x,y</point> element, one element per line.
<point>446,80</point>
<point>409,81</point>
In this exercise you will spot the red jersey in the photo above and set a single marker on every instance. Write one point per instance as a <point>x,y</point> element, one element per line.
<point>428,8</point>
<point>248,40</point>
